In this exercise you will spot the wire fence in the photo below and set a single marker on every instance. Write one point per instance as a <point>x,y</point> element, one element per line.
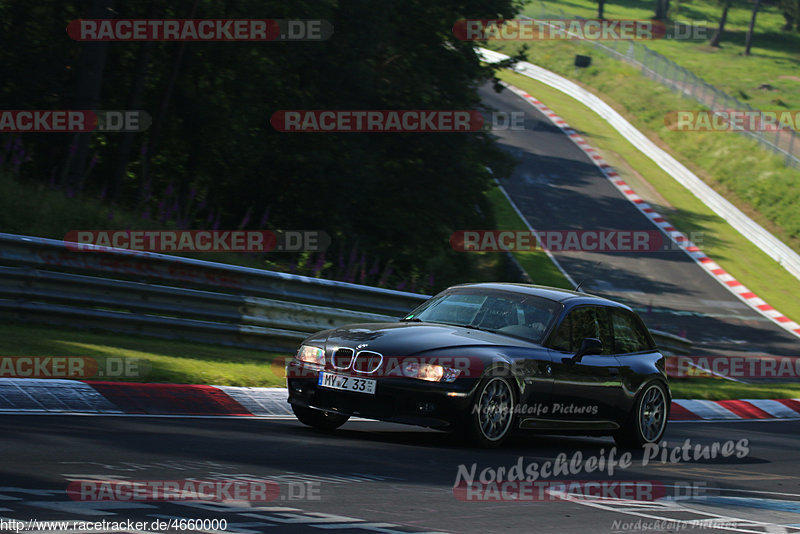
<point>655,66</point>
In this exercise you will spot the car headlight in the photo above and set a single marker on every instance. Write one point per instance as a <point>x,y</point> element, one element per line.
<point>309,354</point>
<point>430,372</point>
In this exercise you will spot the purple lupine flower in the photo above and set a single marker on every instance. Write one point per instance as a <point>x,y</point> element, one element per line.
<point>104,190</point>
<point>375,267</point>
<point>93,161</point>
<point>146,215</point>
<point>319,265</point>
<point>264,218</point>
<point>110,215</point>
<point>246,219</point>
<point>385,276</point>
<point>402,285</point>
<point>169,190</point>
<point>353,255</point>
<point>216,222</point>
<point>430,280</point>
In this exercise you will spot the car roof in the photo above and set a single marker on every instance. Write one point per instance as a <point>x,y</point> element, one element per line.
<point>565,296</point>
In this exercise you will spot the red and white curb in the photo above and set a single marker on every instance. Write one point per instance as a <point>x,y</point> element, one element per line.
<point>29,396</point>
<point>679,238</point>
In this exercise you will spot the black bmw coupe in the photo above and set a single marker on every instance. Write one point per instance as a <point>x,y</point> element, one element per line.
<point>487,360</point>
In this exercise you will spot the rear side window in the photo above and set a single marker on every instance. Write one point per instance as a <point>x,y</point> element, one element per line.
<point>583,322</point>
<point>629,333</point>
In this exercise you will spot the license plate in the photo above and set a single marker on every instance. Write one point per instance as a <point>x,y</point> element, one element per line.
<point>347,383</point>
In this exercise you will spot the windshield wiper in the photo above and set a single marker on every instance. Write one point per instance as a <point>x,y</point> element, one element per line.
<point>411,320</point>
<point>475,327</point>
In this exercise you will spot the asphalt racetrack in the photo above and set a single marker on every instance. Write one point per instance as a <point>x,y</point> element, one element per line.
<point>376,477</point>
<point>557,187</point>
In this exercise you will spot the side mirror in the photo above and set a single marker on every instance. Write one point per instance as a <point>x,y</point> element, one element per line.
<point>589,346</point>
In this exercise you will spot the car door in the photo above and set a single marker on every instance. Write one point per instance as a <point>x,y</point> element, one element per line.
<point>586,388</point>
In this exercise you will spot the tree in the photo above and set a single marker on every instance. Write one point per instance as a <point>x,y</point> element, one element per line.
<point>726,5</point>
<point>211,156</point>
<point>748,42</point>
<point>790,9</point>
<point>87,96</point>
<point>661,10</point>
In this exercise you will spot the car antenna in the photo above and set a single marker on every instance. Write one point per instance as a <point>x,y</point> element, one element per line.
<point>578,287</point>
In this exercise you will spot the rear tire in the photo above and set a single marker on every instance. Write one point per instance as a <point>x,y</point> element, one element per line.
<point>319,419</point>
<point>491,416</point>
<point>648,419</point>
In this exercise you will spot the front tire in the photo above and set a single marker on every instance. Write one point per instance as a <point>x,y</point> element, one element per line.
<point>648,419</point>
<point>491,415</point>
<point>319,419</point>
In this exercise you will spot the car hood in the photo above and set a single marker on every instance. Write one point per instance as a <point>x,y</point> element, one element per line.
<point>411,339</point>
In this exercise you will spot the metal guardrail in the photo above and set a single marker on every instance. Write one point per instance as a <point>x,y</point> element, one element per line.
<point>43,280</point>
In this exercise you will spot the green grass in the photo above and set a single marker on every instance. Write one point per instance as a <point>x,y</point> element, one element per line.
<point>33,209</point>
<point>739,168</point>
<point>718,389</point>
<point>157,360</point>
<point>207,364</point>
<point>773,60</point>
<point>719,240</point>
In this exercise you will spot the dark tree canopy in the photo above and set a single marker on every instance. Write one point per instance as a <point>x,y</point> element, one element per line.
<point>211,156</point>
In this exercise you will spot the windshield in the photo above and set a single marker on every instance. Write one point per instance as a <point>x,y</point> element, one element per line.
<point>517,315</point>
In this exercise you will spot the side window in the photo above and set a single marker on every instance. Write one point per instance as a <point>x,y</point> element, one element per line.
<point>629,334</point>
<point>583,322</point>
<point>559,340</point>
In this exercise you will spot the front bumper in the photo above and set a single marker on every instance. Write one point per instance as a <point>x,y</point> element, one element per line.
<point>398,400</point>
